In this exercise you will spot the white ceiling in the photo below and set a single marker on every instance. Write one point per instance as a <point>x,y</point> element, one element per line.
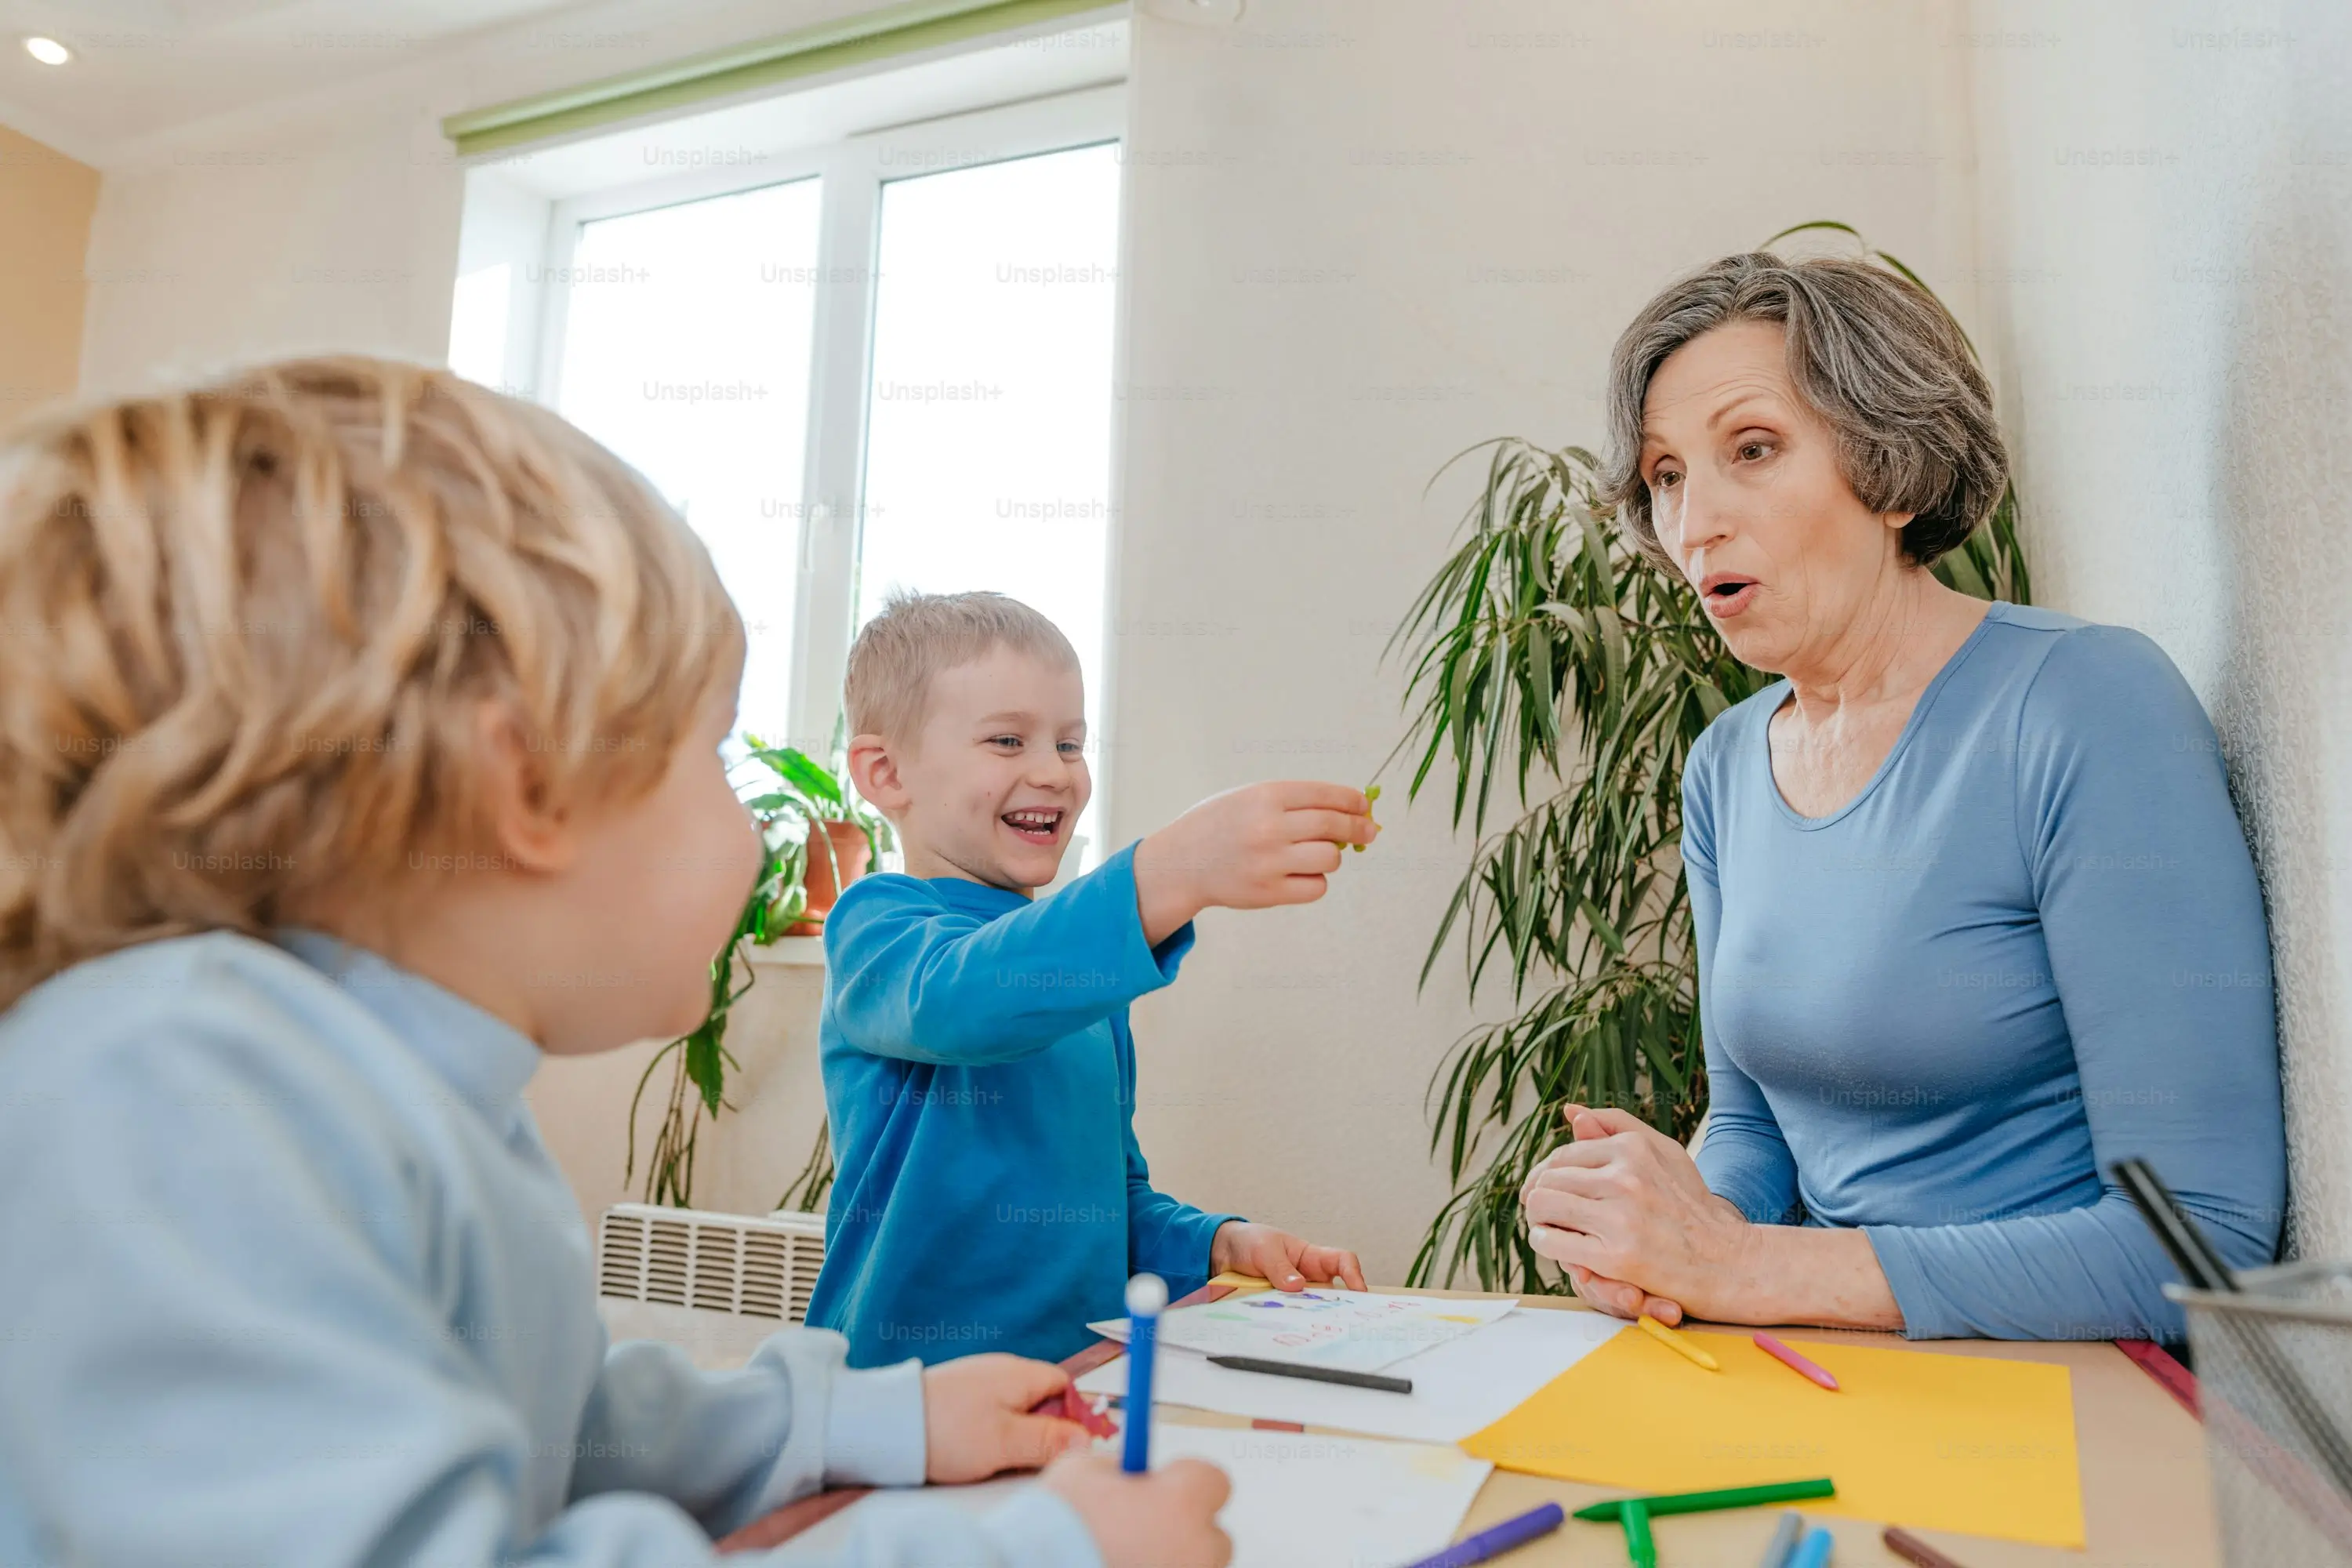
<point>147,66</point>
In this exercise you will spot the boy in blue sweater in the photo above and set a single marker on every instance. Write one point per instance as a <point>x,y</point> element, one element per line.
<point>360,747</point>
<point>978,1065</point>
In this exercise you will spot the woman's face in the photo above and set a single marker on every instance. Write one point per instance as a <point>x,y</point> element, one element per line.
<point>1748,502</point>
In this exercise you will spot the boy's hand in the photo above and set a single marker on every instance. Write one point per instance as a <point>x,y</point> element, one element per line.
<point>1248,848</point>
<point>976,1417</point>
<point>1280,1258</point>
<point>1166,1518</point>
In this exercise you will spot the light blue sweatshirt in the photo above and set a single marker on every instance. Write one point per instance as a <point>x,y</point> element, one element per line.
<point>2031,946</point>
<point>288,1277</point>
<point>981,1079</point>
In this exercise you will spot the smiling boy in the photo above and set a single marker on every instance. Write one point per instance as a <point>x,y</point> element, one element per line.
<point>978,1065</point>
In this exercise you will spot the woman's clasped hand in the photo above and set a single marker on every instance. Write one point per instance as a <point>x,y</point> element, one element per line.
<point>1624,1202</point>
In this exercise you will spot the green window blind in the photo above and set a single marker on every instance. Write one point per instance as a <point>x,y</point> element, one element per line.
<point>861,39</point>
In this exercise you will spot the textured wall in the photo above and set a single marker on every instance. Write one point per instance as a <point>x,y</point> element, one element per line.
<point>2167,199</point>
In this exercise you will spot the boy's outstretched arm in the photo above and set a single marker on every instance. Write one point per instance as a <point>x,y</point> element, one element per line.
<point>1249,849</point>
<point>921,981</point>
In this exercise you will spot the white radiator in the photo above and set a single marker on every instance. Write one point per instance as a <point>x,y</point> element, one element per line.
<point>716,1283</point>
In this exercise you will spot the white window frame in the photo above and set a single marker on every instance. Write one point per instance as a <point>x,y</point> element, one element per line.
<point>854,170</point>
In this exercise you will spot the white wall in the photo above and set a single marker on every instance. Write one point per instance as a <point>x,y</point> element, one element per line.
<point>2167,200</point>
<point>1364,233</point>
<point>342,236</point>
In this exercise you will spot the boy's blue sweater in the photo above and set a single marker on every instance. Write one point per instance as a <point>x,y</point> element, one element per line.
<point>981,1079</point>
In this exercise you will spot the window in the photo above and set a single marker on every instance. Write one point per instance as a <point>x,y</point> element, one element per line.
<point>881,362</point>
<point>479,325</point>
<point>988,435</point>
<point>687,349</point>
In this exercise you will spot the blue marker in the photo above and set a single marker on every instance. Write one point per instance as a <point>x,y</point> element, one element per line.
<point>1146,1295</point>
<point>1813,1551</point>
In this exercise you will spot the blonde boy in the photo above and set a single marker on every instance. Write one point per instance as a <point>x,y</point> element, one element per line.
<point>349,714</point>
<point>979,1069</point>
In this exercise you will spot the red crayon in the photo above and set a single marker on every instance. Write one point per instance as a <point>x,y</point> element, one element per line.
<point>1072,1405</point>
<point>1794,1362</point>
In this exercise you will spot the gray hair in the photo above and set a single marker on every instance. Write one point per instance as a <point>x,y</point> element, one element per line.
<point>1877,356</point>
<point>918,635</point>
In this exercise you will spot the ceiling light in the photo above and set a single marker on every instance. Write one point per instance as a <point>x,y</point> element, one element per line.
<point>48,52</point>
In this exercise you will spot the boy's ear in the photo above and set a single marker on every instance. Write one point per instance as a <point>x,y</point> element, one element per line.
<point>874,772</point>
<point>528,828</point>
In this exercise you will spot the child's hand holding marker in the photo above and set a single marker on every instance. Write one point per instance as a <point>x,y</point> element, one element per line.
<point>1165,1518</point>
<point>1249,849</point>
<point>978,1420</point>
<point>977,1417</point>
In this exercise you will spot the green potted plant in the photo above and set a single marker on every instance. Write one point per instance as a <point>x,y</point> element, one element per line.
<point>818,838</point>
<point>1556,674</point>
<point>843,835</point>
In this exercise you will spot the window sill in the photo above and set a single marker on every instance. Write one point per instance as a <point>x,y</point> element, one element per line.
<point>789,953</point>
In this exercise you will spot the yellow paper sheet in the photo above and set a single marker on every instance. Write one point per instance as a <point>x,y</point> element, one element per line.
<point>1913,1437</point>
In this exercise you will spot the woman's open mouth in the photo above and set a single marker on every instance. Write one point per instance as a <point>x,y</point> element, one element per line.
<point>1726,594</point>
<point>1035,825</point>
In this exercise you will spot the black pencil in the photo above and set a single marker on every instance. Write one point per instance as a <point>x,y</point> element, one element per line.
<point>1315,1374</point>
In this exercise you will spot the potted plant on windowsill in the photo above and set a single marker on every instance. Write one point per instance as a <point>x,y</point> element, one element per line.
<point>842,837</point>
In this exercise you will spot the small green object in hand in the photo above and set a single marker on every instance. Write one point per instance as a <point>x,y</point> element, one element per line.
<point>1371,793</point>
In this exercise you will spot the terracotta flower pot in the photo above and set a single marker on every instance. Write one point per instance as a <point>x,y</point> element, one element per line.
<point>852,851</point>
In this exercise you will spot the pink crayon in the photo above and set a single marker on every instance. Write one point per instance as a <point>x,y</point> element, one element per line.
<point>1794,1362</point>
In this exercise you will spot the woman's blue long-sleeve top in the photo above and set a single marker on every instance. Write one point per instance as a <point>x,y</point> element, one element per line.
<point>2033,945</point>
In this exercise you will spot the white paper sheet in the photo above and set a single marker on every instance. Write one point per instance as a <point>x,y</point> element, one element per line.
<point>1303,1501</point>
<point>1298,1502</point>
<point>1459,1387</point>
<point>1355,1330</point>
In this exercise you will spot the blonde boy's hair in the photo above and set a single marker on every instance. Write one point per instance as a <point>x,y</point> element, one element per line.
<point>245,632</point>
<point>916,636</point>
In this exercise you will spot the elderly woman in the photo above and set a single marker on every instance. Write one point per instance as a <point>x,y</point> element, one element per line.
<point>1975,917</point>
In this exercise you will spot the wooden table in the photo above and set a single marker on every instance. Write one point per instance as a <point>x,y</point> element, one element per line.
<point>2146,1502</point>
